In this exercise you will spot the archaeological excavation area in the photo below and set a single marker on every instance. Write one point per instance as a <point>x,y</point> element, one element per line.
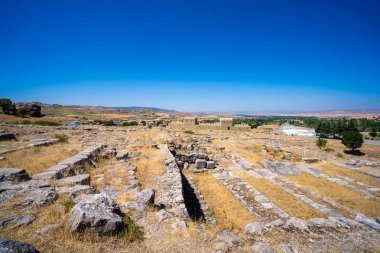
<point>93,188</point>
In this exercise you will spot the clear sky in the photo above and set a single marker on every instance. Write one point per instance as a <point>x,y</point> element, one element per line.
<point>264,55</point>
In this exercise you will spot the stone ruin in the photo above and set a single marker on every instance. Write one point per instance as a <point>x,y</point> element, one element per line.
<point>189,123</point>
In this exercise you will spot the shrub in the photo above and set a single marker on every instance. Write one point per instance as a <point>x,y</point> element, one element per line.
<point>339,155</point>
<point>188,132</point>
<point>130,123</point>
<point>258,148</point>
<point>26,122</point>
<point>329,149</point>
<point>46,123</point>
<point>321,143</point>
<point>68,203</point>
<point>61,138</point>
<point>373,134</point>
<point>131,231</point>
<point>108,123</point>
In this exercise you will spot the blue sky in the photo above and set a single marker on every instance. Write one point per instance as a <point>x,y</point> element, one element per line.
<point>193,55</point>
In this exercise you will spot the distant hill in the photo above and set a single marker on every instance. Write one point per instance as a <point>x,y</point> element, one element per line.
<point>323,114</point>
<point>141,108</point>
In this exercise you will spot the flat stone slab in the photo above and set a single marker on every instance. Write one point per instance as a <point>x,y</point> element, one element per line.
<point>83,179</point>
<point>13,174</point>
<point>17,221</point>
<point>77,190</point>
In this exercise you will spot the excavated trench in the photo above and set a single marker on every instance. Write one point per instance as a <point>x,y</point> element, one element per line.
<point>191,201</point>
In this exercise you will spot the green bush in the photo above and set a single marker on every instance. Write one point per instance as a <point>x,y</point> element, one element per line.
<point>339,155</point>
<point>131,231</point>
<point>188,132</point>
<point>130,123</point>
<point>68,203</point>
<point>26,122</point>
<point>61,138</point>
<point>258,148</point>
<point>108,123</point>
<point>321,143</point>
<point>46,123</point>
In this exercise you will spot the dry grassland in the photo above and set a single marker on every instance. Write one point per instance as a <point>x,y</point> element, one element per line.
<point>341,194</point>
<point>229,212</point>
<point>284,200</point>
<point>37,159</point>
<point>334,170</point>
<point>248,152</point>
<point>149,165</point>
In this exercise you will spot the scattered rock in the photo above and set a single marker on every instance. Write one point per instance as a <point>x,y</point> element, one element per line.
<point>17,221</point>
<point>296,223</point>
<point>145,196</point>
<point>96,213</point>
<point>163,215</point>
<point>231,239</point>
<point>260,247</point>
<point>178,225</point>
<point>133,205</point>
<point>13,174</point>
<point>255,228</point>
<point>10,246</point>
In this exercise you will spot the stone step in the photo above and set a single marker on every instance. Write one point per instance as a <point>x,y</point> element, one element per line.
<point>82,179</point>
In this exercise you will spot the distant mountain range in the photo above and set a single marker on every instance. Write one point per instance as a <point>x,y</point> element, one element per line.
<point>141,108</point>
<point>325,113</point>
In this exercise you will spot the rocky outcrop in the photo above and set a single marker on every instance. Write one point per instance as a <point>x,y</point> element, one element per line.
<point>10,246</point>
<point>97,213</point>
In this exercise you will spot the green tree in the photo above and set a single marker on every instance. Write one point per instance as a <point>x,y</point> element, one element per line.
<point>7,106</point>
<point>373,133</point>
<point>22,112</point>
<point>321,143</point>
<point>352,139</point>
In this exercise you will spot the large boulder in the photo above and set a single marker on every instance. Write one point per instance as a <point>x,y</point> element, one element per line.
<point>97,213</point>
<point>10,246</point>
<point>13,174</point>
<point>297,223</point>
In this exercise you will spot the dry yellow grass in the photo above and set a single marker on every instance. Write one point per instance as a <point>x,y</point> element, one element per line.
<point>228,210</point>
<point>248,152</point>
<point>284,200</point>
<point>149,165</point>
<point>347,197</point>
<point>37,159</point>
<point>334,170</point>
